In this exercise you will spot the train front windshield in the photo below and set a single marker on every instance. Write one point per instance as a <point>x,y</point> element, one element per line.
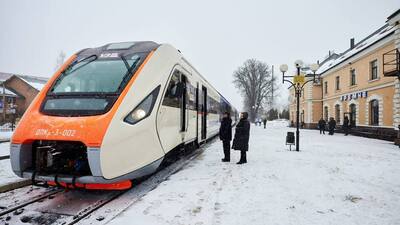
<point>90,86</point>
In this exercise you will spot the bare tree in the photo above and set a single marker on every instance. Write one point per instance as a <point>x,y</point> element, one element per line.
<point>60,60</point>
<point>256,84</point>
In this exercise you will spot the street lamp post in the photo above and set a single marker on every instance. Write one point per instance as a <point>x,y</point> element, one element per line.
<point>298,85</point>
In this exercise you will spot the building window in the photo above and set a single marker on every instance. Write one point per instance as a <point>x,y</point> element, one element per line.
<point>337,113</point>
<point>353,114</point>
<point>374,112</point>
<point>326,87</point>
<point>10,100</point>
<point>374,69</point>
<point>352,77</point>
<point>337,83</point>
<point>326,113</point>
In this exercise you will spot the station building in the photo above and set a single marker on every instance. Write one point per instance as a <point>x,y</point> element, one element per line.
<point>360,83</point>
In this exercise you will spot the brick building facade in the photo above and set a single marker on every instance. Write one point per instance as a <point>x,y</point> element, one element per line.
<point>20,90</point>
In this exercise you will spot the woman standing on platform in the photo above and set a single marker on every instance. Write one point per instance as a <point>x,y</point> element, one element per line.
<point>225,135</point>
<point>242,135</point>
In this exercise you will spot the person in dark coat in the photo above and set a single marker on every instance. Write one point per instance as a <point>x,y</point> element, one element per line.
<point>265,122</point>
<point>242,135</point>
<point>321,126</point>
<point>346,127</point>
<point>225,135</point>
<point>331,126</point>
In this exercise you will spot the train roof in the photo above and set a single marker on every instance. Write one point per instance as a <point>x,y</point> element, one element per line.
<point>122,47</point>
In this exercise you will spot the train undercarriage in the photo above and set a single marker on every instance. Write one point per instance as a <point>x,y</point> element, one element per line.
<point>60,157</point>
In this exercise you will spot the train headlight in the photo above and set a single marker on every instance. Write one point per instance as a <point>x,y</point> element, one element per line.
<point>138,114</point>
<point>144,108</point>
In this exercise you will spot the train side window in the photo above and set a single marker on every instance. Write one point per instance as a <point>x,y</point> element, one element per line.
<point>171,98</point>
<point>191,91</point>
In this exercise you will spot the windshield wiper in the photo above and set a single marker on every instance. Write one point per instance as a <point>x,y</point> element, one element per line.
<point>129,67</point>
<point>64,73</point>
<point>125,62</point>
<point>79,61</point>
<point>129,70</point>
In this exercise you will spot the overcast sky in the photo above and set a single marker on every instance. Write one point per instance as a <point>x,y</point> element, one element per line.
<point>215,36</point>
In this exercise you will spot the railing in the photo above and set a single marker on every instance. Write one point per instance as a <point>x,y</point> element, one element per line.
<point>391,63</point>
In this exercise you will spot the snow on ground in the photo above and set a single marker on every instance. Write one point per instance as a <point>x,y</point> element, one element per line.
<point>4,149</point>
<point>6,134</point>
<point>333,180</point>
<point>6,174</point>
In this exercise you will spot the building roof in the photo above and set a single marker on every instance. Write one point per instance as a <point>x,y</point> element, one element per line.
<point>394,14</point>
<point>8,92</point>
<point>4,76</point>
<point>34,81</point>
<point>362,45</point>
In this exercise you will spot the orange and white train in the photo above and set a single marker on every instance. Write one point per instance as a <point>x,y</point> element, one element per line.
<point>113,114</point>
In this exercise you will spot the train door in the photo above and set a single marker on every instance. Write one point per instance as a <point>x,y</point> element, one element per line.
<point>172,112</point>
<point>184,104</point>
<point>197,112</point>
<point>204,114</point>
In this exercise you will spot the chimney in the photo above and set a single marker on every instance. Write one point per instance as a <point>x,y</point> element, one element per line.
<point>351,43</point>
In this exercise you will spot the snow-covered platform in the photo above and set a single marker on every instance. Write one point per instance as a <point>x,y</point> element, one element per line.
<point>332,180</point>
<point>8,179</point>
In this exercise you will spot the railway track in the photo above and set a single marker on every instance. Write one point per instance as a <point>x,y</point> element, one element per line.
<point>4,140</point>
<point>4,157</point>
<point>60,206</point>
<point>31,201</point>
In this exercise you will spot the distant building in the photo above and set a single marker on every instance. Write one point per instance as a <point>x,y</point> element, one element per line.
<point>20,90</point>
<point>356,84</point>
<point>391,66</point>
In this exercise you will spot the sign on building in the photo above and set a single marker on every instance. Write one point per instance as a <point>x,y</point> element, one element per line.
<point>356,95</point>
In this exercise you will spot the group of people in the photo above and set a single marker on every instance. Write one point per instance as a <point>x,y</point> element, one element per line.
<point>242,134</point>
<point>332,126</point>
<point>258,122</point>
<point>241,139</point>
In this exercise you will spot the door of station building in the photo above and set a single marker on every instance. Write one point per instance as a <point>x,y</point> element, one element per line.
<point>352,119</point>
